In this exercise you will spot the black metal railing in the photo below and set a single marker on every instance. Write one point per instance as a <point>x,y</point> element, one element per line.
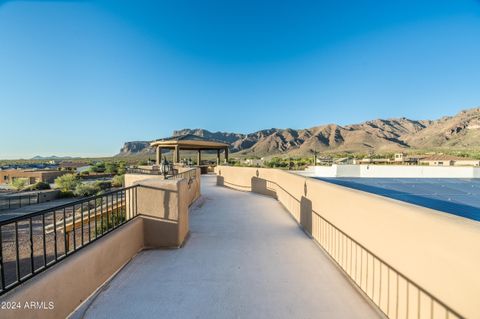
<point>144,171</point>
<point>17,201</point>
<point>173,173</point>
<point>189,174</point>
<point>31,243</point>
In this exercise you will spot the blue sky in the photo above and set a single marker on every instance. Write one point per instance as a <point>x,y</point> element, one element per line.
<point>82,77</point>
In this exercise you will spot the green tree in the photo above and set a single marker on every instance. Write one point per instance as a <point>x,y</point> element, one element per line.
<point>111,168</point>
<point>122,168</point>
<point>19,183</point>
<point>67,182</point>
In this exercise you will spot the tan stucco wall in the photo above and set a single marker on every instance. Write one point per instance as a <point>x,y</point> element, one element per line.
<point>47,176</point>
<point>166,205</point>
<point>438,251</point>
<point>71,281</point>
<point>166,202</point>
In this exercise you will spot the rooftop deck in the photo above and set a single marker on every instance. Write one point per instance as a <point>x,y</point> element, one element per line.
<point>246,257</point>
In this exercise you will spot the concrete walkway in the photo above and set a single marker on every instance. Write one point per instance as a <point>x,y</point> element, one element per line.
<point>246,258</point>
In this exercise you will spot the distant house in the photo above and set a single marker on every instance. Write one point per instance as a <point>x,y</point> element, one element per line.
<point>402,158</point>
<point>73,166</point>
<point>373,161</point>
<point>343,161</point>
<point>324,160</point>
<point>32,176</point>
<point>254,161</point>
<point>448,160</point>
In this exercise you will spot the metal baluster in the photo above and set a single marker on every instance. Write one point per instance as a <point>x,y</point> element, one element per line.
<point>44,242</point>
<point>356,261</point>
<point>419,303</point>
<point>17,252</point>
<point>89,223</point>
<point>95,218</point>
<point>388,291</point>
<point>74,230</point>
<point>32,267</point>
<point>373,278</point>
<point>2,265</point>
<point>351,256</point>
<point>81,220</point>
<point>380,285</point>
<point>361,267</point>
<point>398,294</point>
<point>65,234</point>
<point>108,221</point>
<point>366,276</point>
<point>136,201</point>
<point>407,313</point>
<point>117,212</point>
<point>55,234</point>
<point>101,220</point>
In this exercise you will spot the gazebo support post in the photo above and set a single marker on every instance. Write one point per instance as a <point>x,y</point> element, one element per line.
<point>158,157</point>
<point>218,157</point>
<point>199,157</point>
<point>226,154</point>
<point>176,157</point>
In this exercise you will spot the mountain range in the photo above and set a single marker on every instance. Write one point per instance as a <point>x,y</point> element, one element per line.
<point>381,135</point>
<point>52,157</point>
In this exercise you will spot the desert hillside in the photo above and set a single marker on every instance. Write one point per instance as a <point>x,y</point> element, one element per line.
<point>454,132</point>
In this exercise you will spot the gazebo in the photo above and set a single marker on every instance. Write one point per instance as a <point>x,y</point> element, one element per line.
<point>188,142</point>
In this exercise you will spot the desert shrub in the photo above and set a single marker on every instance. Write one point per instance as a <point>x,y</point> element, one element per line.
<point>67,182</point>
<point>122,168</point>
<point>109,221</point>
<point>65,194</point>
<point>38,186</point>
<point>98,168</point>
<point>83,190</point>
<point>111,168</point>
<point>118,181</point>
<point>19,183</point>
<point>103,185</point>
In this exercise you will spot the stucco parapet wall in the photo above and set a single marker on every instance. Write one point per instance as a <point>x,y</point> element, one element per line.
<point>437,251</point>
<point>68,283</point>
<point>165,203</point>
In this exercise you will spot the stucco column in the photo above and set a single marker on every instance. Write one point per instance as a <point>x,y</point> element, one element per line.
<point>158,156</point>
<point>199,157</point>
<point>176,155</point>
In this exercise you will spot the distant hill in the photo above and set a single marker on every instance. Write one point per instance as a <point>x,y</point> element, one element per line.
<point>455,132</point>
<point>52,157</point>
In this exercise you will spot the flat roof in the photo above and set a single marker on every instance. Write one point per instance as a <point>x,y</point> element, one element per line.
<point>457,196</point>
<point>245,258</point>
<point>189,142</point>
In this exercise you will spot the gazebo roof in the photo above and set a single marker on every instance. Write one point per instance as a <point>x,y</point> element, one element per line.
<point>188,142</point>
